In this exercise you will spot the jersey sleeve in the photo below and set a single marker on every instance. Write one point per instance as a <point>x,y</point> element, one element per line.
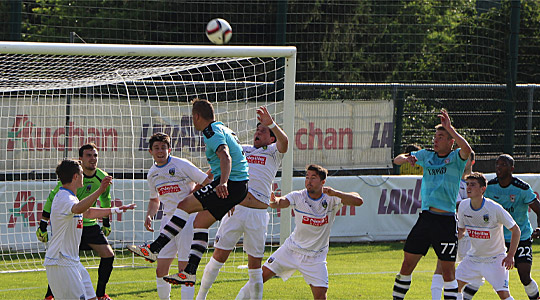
<point>292,197</point>
<point>420,155</point>
<point>105,198</point>
<point>48,204</point>
<point>64,205</point>
<point>194,173</point>
<point>528,196</point>
<point>152,188</point>
<point>216,140</point>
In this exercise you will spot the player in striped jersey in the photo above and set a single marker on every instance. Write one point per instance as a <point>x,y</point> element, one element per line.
<point>250,217</point>
<point>305,250</point>
<point>93,237</point>
<point>170,180</point>
<point>516,196</point>
<point>483,219</point>
<point>436,225</point>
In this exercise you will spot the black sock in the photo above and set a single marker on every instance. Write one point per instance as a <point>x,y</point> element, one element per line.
<point>49,292</point>
<point>104,273</point>
<point>159,243</point>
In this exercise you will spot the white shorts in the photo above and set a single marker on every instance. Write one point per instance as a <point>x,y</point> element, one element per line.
<point>70,282</point>
<point>252,222</point>
<point>474,272</point>
<point>464,244</point>
<point>181,244</point>
<point>284,262</point>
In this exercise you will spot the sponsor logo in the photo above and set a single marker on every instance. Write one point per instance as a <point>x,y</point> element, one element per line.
<point>400,201</point>
<point>182,135</point>
<point>467,216</point>
<point>479,234</point>
<point>167,189</point>
<point>315,221</point>
<point>254,159</point>
<point>330,138</point>
<point>172,171</point>
<point>437,171</point>
<point>80,224</point>
<point>24,207</point>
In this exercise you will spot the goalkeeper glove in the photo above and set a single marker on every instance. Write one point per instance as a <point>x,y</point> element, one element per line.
<point>41,232</point>
<point>106,228</point>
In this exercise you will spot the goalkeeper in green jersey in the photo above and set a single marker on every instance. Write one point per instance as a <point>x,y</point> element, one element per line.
<point>93,236</point>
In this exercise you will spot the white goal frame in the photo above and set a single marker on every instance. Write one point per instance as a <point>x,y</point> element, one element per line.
<point>289,54</point>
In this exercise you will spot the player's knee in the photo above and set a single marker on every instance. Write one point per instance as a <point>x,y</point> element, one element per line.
<point>221,255</point>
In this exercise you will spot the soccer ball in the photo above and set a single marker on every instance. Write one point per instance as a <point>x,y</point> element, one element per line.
<point>218,31</point>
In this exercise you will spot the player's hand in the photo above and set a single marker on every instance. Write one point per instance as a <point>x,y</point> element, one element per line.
<point>148,224</point>
<point>329,191</point>
<point>42,236</point>
<point>127,207</point>
<point>445,119</point>
<point>508,262</point>
<point>264,116</point>
<point>536,233</point>
<point>105,183</point>
<point>411,159</point>
<point>106,230</point>
<point>273,203</point>
<point>221,190</point>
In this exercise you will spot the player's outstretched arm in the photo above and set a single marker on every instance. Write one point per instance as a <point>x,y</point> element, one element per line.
<point>508,261</point>
<point>535,206</point>
<point>98,212</point>
<point>87,202</point>
<point>279,202</point>
<point>405,158</point>
<point>352,198</point>
<point>466,149</point>
<point>282,141</point>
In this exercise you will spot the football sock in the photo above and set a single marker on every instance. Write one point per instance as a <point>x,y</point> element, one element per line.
<point>469,291</point>
<point>531,289</point>
<point>401,286</point>
<point>244,293</point>
<point>436,286</point>
<point>104,273</point>
<point>163,289</point>
<point>509,298</point>
<point>256,283</point>
<point>451,290</point>
<point>49,292</point>
<point>198,247</point>
<point>210,274</point>
<point>173,227</point>
<point>187,292</point>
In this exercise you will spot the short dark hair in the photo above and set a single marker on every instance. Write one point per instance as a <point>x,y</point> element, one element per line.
<point>203,108</point>
<point>66,169</point>
<point>479,177</point>
<point>508,158</point>
<point>160,137</point>
<point>271,132</point>
<point>441,128</point>
<point>86,147</point>
<point>322,172</point>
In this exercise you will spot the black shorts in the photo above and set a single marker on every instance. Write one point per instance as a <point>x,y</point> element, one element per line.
<point>439,231</point>
<point>218,207</point>
<point>524,252</point>
<point>92,235</point>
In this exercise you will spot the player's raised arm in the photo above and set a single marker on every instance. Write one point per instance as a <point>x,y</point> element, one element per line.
<point>98,212</point>
<point>87,202</point>
<point>460,141</point>
<point>282,141</point>
<point>405,158</point>
<point>352,198</point>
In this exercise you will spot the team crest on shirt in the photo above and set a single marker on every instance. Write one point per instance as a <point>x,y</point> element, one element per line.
<point>486,218</point>
<point>172,171</point>
<point>447,161</point>
<point>324,204</point>
<point>88,187</point>
<point>217,239</point>
<point>512,198</point>
<point>271,259</point>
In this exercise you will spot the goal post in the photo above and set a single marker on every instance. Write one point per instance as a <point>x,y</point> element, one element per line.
<point>55,97</point>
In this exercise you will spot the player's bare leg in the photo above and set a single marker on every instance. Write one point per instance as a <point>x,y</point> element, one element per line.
<point>319,292</point>
<point>402,282</point>
<point>105,268</point>
<point>531,288</point>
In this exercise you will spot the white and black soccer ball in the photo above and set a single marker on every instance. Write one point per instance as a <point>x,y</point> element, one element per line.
<point>219,31</point>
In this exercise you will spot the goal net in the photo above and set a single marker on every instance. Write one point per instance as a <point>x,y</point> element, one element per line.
<point>56,97</point>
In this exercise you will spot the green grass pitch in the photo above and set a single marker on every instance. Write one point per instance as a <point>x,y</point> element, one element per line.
<point>356,271</point>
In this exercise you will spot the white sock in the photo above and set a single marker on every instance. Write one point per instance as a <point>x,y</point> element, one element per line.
<point>244,293</point>
<point>163,289</point>
<point>210,274</point>
<point>509,298</point>
<point>256,283</point>
<point>187,292</point>
<point>437,286</point>
<point>531,289</point>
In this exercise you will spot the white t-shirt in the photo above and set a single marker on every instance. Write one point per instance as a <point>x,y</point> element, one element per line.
<point>66,231</point>
<point>313,219</point>
<point>485,227</point>
<point>174,181</point>
<point>263,164</point>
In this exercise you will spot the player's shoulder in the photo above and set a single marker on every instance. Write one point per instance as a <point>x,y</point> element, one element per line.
<point>520,184</point>
<point>100,174</point>
<point>493,181</point>
<point>211,129</point>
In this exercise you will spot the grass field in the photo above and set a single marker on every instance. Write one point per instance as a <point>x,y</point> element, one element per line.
<point>356,271</point>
